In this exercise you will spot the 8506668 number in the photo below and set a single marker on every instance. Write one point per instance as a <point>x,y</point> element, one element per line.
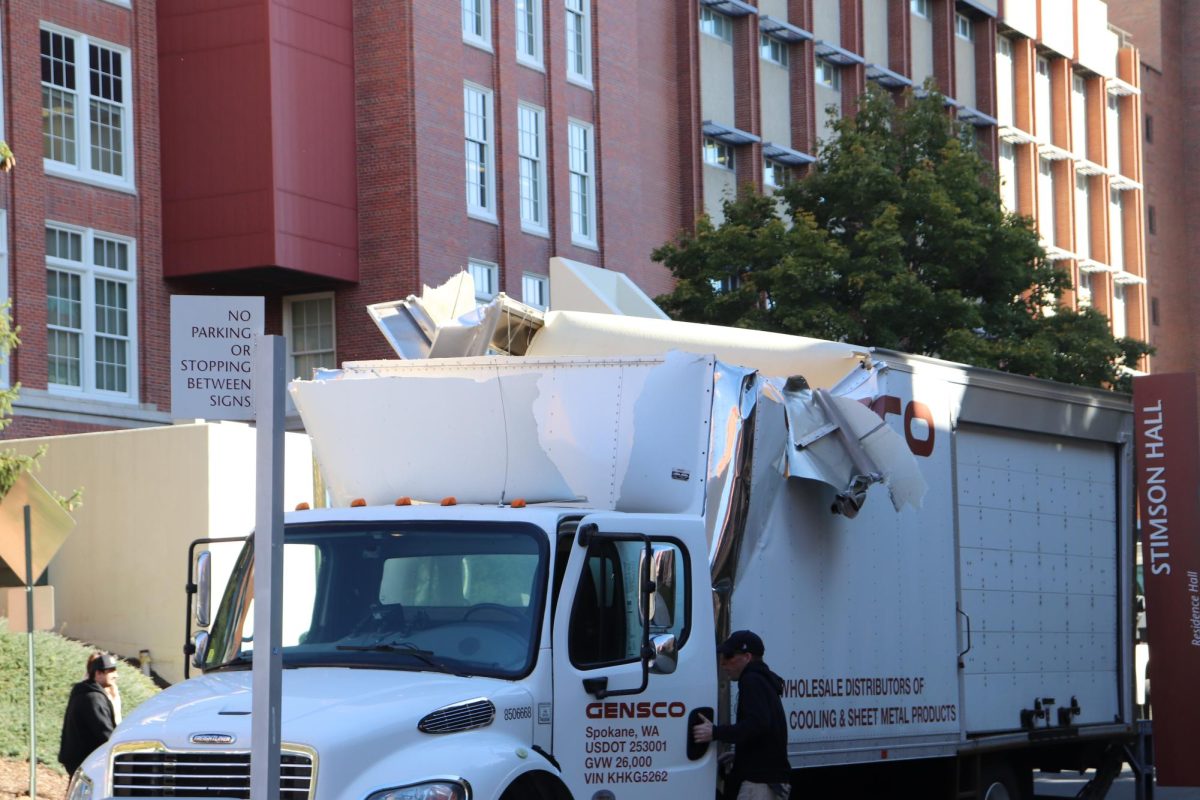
<point>523,712</point>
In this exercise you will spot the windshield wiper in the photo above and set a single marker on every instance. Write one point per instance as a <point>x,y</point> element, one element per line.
<point>240,660</point>
<point>408,648</point>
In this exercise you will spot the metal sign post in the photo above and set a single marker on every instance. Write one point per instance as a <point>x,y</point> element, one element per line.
<point>269,377</point>
<point>32,674</point>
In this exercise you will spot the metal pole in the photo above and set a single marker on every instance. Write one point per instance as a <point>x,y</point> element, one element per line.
<point>269,361</point>
<point>29,630</point>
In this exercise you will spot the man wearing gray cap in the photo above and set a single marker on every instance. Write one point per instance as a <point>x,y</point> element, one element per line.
<point>759,733</point>
<point>89,719</point>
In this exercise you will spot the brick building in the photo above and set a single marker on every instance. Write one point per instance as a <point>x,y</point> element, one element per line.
<point>1166,32</point>
<point>327,154</point>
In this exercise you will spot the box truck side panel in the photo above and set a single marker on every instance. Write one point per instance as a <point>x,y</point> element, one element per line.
<point>1038,562</point>
<point>858,615</point>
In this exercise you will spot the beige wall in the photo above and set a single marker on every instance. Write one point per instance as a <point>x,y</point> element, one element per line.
<point>825,96</point>
<point>827,21</point>
<point>716,80</point>
<point>148,493</point>
<point>1022,15</point>
<point>774,8</point>
<point>776,103</point>
<point>719,185</point>
<point>1097,44</point>
<point>964,71</point>
<point>922,50</point>
<point>1058,26</point>
<point>875,32</point>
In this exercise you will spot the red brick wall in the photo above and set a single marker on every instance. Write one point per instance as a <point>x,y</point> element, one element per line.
<point>31,197</point>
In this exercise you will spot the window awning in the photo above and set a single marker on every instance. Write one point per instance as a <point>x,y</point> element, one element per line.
<point>886,78</point>
<point>986,9</point>
<point>837,55</point>
<point>726,134</point>
<point>1120,88</point>
<point>784,31</point>
<point>785,155</point>
<point>973,116</point>
<point>1053,152</point>
<point>1054,253</point>
<point>1122,183</point>
<point>1085,167</point>
<point>1127,278</point>
<point>1015,135</point>
<point>1091,265</point>
<point>730,8</point>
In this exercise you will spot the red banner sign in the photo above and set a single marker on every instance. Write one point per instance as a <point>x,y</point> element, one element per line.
<point>1168,476</point>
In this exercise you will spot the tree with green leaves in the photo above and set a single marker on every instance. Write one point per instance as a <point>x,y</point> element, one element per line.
<point>897,240</point>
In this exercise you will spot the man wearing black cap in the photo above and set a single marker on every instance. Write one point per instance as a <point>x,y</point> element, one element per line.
<point>89,719</point>
<point>759,734</point>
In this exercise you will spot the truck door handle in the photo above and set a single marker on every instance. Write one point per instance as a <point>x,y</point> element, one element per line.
<point>696,750</point>
<point>964,652</point>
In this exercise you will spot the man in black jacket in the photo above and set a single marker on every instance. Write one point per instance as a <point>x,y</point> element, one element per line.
<point>759,733</point>
<point>89,719</point>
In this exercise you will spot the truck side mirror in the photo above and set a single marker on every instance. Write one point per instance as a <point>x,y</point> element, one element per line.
<point>666,655</point>
<point>203,589</point>
<point>662,600</point>
<point>200,643</point>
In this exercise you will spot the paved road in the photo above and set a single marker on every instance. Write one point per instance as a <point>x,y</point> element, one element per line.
<point>1067,784</point>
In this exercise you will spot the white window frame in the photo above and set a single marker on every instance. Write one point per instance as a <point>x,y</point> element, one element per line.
<point>1083,215</point>
<point>482,10</point>
<point>717,155</point>
<point>485,210</point>
<point>531,167</point>
<point>292,354</point>
<point>773,50</point>
<point>1047,213</point>
<point>82,170</point>
<point>1043,107</point>
<point>964,27</point>
<point>579,12</point>
<point>775,174</point>
<point>1083,291</point>
<point>585,170</point>
<point>1079,121</point>
<point>486,277</point>
<point>828,74</point>
<point>529,15</point>
<point>532,283</point>
<point>88,274</point>
<point>1120,324</point>
<point>1007,168</point>
<point>921,8</point>
<point>1116,226</point>
<point>715,24</point>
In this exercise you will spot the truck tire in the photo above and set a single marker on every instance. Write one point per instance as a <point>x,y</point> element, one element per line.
<point>536,786</point>
<point>998,780</point>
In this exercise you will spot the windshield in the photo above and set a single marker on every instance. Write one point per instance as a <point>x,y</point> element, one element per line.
<point>464,598</point>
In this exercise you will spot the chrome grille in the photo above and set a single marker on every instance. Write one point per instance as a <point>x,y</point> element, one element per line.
<point>207,774</point>
<point>463,716</point>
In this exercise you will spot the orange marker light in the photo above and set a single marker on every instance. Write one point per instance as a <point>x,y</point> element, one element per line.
<point>449,501</point>
<point>404,501</point>
<point>358,502</point>
<point>303,506</point>
<point>518,503</point>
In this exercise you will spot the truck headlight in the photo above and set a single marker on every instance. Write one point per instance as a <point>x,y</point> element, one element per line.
<point>439,790</point>
<point>80,787</point>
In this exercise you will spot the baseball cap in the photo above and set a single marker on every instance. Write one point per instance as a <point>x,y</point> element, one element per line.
<point>103,663</point>
<point>742,642</point>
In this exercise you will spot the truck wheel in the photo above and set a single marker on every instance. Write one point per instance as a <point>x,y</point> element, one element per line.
<point>999,781</point>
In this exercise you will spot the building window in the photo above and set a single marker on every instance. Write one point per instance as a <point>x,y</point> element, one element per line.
<point>716,24</point>
<point>828,74</point>
<point>1116,224</point>
<point>582,165</point>
<point>1047,223</point>
<point>1151,220</point>
<point>1119,326</point>
<point>309,322</point>
<point>535,290</point>
<point>86,108</point>
<point>531,158</point>
<point>481,178</point>
<point>91,294</point>
<point>579,41</point>
<point>1079,130</point>
<point>1083,217</point>
<point>1154,311</point>
<point>1008,176</point>
<point>529,32</point>
<point>1149,128</point>
<point>773,50</point>
<point>718,154</point>
<point>485,276</point>
<point>774,174</point>
<point>1083,292</point>
<point>921,8</point>
<point>963,28</point>
<point>477,23</point>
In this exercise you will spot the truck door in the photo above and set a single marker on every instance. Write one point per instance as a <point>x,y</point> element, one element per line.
<point>622,710</point>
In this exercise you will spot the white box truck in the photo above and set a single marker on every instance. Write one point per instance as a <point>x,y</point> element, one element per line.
<point>526,564</point>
